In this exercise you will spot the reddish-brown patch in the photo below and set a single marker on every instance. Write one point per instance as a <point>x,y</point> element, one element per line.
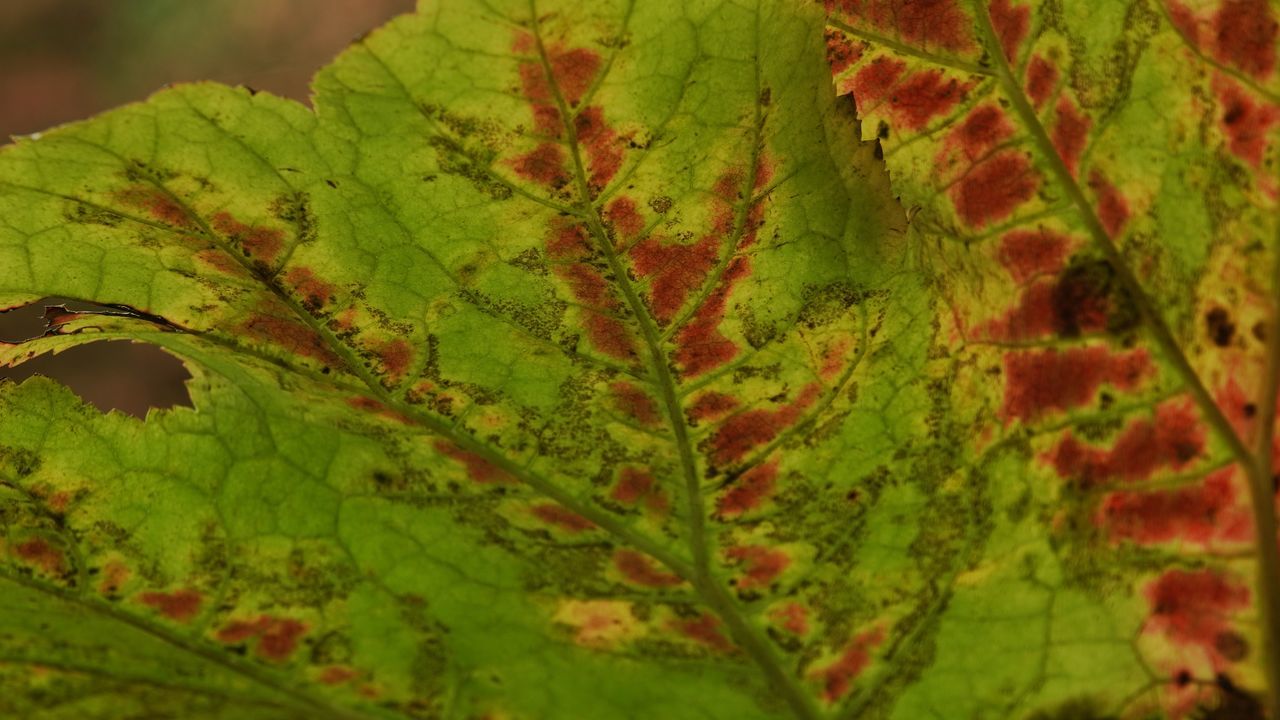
<point>675,270</point>
<point>1038,382</point>
<point>623,216</point>
<point>1070,133</point>
<point>1184,21</point>
<point>748,430</point>
<point>59,501</point>
<point>712,405</point>
<point>478,469</point>
<point>792,617</point>
<point>180,605</point>
<point>762,565</point>
<point>1203,514</point>
<point>837,678</point>
<point>1035,315</point>
<point>874,80</point>
<point>924,95</point>
<point>604,152</point>
<point>114,575</point>
<point>636,403</point>
<point>277,637</point>
<point>1042,78</point>
<point>158,204</point>
<point>1192,607</point>
<point>633,484</point>
<point>993,188</point>
<point>1246,122</point>
<point>315,293</point>
<point>1113,209</point>
<point>291,335</point>
<point>842,52</point>
<point>259,242</point>
<point>1246,36</point>
<point>1173,439</point>
<point>561,517</point>
<point>544,164</point>
<point>641,569</point>
<point>38,552</point>
<point>929,24</point>
<point>983,128</point>
<point>834,358</point>
<point>573,71</point>
<point>1027,254</point>
<point>337,675</point>
<point>749,491</point>
<point>704,629</point>
<point>395,356</point>
<point>220,261</point>
<point>1011,24</point>
<point>567,242</point>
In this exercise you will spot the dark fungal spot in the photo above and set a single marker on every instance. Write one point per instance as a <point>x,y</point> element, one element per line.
<point>1259,331</point>
<point>1182,679</point>
<point>1231,645</point>
<point>660,204</point>
<point>1220,327</point>
<point>1249,410</point>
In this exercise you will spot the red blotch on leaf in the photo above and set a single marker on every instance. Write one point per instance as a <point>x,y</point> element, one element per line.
<point>1029,253</point>
<point>636,403</point>
<point>1201,514</point>
<point>1113,209</point>
<point>1038,382</point>
<point>606,332</point>
<point>478,469</point>
<point>315,293</point>
<point>837,678</point>
<point>762,564</point>
<point>704,629</point>
<point>1191,607</point>
<point>873,82</point>
<point>292,336</point>
<point>712,405</point>
<point>992,189</point>
<point>261,243</point>
<point>1011,23</point>
<point>923,96</point>
<point>1245,31</point>
<point>748,492</point>
<point>622,215</point>
<point>983,128</point>
<point>180,605</point>
<point>1173,439</point>
<point>158,204</point>
<point>573,71</point>
<point>604,153</point>
<point>841,51</point>
<point>114,575</point>
<point>745,431</point>
<point>561,517</point>
<point>1042,78</point>
<point>337,675</point>
<point>395,356</point>
<point>640,569</point>
<point>277,637</point>
<point>544,164</point>
<point>633,484</point>
<point>792,617</point>
<point>928,24</point>
<point>675,270</point>
<point>220,261</point>
<point>1070,133</point>
<point>38,552</point>
<point>1246,122</point>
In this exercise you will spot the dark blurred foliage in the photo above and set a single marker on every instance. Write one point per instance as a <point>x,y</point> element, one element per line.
<point>64,60</point>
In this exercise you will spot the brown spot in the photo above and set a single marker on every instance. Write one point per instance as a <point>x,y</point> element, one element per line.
<point>640,569</point>
<point>395,356</point>
<point>837,678</point>
<point>1231,645</point>
<point>38,552</point>
<point>842,52</point>
<point>1246,122</point>
<point>927,24</point>
<point>1219,326</point>
<point>604,153</point>
<point>292,336</point>
<point>923,96</point>
<point>220,261</point>
<point>562,517</point>
<point>704,629</point>
<point>674,270</point>
<point>632,485</point>
<point>792,617</point>
<point>636,403</point>
<point>1246,36</point>
<point>1039,382</point>
<point>1191,607</point>
<point>180,605</point>
<point>745,431</point>
<point>337,675</point>
<point>1070,133</point>
<point>1011,24</point>
<point>712,405</point>
<point>748,492</point>
<point>573,71</point>
<point>260,243</point>
<point>1028,253</point>
<point>1113,209</point>
<point>544,164</point>
<point>478,469</point>
<point>1042,78</point>
<point>1210,512</point>
<point>624,217</point>
<point>1173,439</point>
<point>872,83</point>
<point>158,204</point>
<point>238,631</point>
<point>315,293</point>
<point>114,575</point>
<point>982,129</point>
<point>762,564</point>
<point>59,501</point>
<point>994,188</point>
<point>280,639</point>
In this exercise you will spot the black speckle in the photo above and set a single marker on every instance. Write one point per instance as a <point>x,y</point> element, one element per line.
<point>1220,327</point>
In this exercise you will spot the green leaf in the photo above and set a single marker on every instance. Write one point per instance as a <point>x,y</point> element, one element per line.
<point>1093,192</point>
<point>561,363</point>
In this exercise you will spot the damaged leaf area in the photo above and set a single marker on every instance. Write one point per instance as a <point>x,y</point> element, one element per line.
<point>562,363</point>
<point>1093,196</point>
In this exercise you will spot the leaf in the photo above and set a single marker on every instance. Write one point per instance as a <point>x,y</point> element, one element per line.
<point>561,363</point>
<point>1093,192</point>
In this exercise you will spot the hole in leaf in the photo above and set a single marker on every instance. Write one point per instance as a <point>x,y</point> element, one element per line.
<point>110,375</point>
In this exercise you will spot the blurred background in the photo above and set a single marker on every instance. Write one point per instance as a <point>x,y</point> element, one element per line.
<point>64,60</point>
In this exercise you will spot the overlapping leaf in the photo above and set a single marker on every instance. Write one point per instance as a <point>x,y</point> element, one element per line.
<point>1093,188</point>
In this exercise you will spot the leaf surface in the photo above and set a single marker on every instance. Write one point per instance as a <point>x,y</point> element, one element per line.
<point>1092,189</point>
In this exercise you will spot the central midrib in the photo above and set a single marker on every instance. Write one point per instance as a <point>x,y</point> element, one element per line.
<point>703,579</point>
